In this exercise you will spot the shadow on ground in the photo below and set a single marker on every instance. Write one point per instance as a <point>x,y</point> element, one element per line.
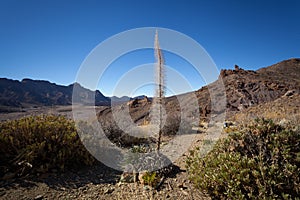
<point>73,179</point>
<point>70,179</point>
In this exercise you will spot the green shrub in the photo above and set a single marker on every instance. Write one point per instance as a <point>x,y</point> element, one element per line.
<point>259,162</point>
<point>41,143</point>
<point>151,179</point>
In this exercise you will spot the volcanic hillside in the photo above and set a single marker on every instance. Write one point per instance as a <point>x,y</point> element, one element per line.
<point>242,89</point>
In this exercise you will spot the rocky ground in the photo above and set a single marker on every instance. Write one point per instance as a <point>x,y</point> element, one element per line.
<point>101,182</point>
<point>84,186</point>
<point>283,110</point>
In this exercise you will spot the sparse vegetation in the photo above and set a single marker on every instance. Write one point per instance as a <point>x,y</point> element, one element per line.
<point>151,179</point>
<point>40,144</point>
<point>285,108</point>
<point>261,161</point>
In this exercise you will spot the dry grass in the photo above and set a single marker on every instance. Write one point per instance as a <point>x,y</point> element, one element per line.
<point>283,110</point>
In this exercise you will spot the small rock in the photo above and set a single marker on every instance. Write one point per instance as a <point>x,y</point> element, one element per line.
<point>185,193</point>
<point>119,183</point>
<point>128,177</point>
<point>39,197</point>
<point>108,190</point>
<point>146,188</point>
<point>289,93</point>
<point>181,186</point>
<point>283,122</point>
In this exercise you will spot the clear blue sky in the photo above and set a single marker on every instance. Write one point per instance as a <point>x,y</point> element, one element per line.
<point>49,39</point>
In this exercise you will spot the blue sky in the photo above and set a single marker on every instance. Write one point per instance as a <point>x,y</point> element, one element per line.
<point>49,40</point>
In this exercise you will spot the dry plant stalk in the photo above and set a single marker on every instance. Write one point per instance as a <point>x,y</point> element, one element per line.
<point>160,86</point>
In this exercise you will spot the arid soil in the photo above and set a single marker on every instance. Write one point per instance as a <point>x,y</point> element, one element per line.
<point>101,182</point>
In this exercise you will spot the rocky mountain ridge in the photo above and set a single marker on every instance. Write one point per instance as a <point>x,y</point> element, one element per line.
<point>15,93</point>
<point>241,89</point>
<point>246,88</point>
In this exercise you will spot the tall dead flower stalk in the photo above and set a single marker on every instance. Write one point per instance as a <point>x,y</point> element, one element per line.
<point>160,86</point>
